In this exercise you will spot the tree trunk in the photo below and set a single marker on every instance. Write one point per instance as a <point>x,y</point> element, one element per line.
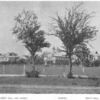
<point>70,74</point>
<point>33,63</point>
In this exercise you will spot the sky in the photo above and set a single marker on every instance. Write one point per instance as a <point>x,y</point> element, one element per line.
<point>44,10</point>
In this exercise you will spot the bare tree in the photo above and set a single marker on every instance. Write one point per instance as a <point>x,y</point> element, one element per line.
<point>29,33</point>
<point>74,30</point>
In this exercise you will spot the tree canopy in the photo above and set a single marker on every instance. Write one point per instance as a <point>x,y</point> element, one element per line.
<point>74,30</point>
<point>27,29</point>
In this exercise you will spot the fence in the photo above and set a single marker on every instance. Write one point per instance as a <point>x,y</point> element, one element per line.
<point>12,69</point>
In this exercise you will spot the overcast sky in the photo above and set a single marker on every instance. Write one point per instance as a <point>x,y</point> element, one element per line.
<point>44,10</point>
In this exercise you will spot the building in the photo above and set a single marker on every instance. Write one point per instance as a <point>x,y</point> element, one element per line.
<point>4,58</point>
<point>8,58</point>
<point>56,59</point>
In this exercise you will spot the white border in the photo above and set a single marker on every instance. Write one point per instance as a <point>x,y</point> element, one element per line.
<point>49,97</point>
<point>51,0</point>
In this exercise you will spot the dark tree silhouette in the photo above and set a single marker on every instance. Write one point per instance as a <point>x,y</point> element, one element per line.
<point>27,29</point>
<point>74,30</point>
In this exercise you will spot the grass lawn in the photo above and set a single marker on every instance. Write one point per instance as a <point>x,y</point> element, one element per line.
<point>53,82</point>
<point>56,81</point>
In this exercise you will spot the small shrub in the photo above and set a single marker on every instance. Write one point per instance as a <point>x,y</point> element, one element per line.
<point>70,75</point>
<point>34,74</point>
<point>96,63</point>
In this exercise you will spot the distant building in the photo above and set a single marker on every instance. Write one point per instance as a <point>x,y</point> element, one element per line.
<point>3,58</point>
<point>56,59</point>
<point>96,56</point>
<point>60,57</point>
<point>7,57</point>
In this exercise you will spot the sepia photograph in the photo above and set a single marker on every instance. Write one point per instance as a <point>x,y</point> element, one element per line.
<point>49,47</point>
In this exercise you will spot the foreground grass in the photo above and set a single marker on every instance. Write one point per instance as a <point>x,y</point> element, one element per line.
<point>41,85</point>
<point>48,90</point>
<point>58,81</point>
